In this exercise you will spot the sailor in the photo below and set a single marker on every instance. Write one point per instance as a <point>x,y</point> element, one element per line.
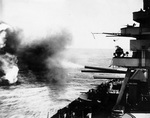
<point>119,52</point>
<point>127,53</point>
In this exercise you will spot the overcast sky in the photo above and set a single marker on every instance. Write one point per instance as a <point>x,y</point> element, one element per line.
<point>79,17</point>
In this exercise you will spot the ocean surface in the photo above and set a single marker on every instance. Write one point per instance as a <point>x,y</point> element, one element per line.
<point>32,99</point>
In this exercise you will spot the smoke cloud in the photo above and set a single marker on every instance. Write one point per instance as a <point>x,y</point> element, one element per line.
<point>8,61</point>
<point>13,41</point>
<point>43,57</point>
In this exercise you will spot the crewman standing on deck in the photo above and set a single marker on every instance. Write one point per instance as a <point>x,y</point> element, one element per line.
<point>119,52</point>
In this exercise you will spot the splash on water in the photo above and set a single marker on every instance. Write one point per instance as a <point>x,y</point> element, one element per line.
<point>9,67</point>
<point>8,62</point>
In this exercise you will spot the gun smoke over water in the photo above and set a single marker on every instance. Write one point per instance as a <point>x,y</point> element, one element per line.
<point>8,61</point>
<point>42,56</point>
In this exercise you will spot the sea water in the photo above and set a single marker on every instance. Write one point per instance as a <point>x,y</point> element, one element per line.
<point>31,99</point>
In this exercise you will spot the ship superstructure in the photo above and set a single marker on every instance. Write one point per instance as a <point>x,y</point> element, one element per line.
<point>118,97</point>
<point>134,94</point>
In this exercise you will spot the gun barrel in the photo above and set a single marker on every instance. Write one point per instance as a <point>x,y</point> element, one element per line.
<point>102,71</point>
<point>105,69</point>
<point>107,77</point>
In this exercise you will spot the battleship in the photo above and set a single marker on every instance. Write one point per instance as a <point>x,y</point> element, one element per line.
<point>118,97</point>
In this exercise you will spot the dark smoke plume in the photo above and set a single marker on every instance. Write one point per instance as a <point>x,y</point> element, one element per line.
<point>43,57</point>
<point>13,41</point>
<point>10,41</point>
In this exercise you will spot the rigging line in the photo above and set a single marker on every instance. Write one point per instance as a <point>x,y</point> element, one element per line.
<point>94,35</point>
